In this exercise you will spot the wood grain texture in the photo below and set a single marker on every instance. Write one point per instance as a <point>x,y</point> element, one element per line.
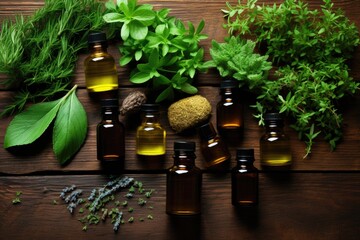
<point>300,206</point>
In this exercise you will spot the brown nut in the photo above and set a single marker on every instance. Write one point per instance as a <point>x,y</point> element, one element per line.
<point>132,102</point>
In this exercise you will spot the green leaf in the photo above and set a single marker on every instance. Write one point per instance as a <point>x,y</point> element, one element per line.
<point>113,17</point>
<point>137,30</point>
<point>29,125</point>
<point>70,128</point>
<point>125,32</point>
<point>168,93</point>
<point>188,88</point>
<point>140,77</point>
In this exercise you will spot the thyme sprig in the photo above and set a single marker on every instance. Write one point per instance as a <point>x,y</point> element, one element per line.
<point>309,49</point>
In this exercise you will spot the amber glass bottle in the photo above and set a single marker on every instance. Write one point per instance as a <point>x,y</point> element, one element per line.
<point>213,149</point>
<point>275,149</point>
<point>150,135</point>
<point>183,181</point>
<point>229,111</point>
<point>100,68</point>
<point>110,134</point>
<point>244,179</point>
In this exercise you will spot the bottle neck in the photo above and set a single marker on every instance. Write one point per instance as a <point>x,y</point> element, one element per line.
<point>150,118</point>
<point>229,93</point>
<point>97,48</point>
<point>274,126</point>
<point>110,114</point>
<point>245,163</point>
<point>184,158</point>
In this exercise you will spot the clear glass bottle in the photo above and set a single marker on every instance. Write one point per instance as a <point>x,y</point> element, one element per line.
<point>213,149</point>
<point>100,68</point>
<point>229,111</point>
<point>110,134</point>
<point>150,135</point>
<point>275,149</point>
<point>244,179</point>
<point>183,181</point>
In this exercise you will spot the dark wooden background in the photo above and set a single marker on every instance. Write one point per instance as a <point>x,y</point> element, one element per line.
<point>317,199</point>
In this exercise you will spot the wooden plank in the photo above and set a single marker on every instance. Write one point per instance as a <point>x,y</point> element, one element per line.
<point>39,158</point>
<point>296,206</point>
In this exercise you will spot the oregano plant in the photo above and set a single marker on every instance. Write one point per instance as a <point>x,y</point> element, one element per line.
<point>70,125</point>
<point>166,52</point>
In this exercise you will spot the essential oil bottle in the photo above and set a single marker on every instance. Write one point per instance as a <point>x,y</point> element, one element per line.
<point>229,111</point>
<point>100,68</point>
<point>213,149</point>
<point>150,135</point>
<point>244,179</point>
<point>110,134</point>
<point>275,149</point>
<point>183,181</point>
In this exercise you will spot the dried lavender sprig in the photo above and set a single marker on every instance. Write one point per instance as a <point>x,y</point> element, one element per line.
<point>71,207</point>
<point>66,190</point>
<point>73,197</point>
<point>118,221</point>
<point>121,183</point>
<point>92,195</point>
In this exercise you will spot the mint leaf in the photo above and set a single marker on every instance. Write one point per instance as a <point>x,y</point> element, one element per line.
<point>70,128</point>
<point>29,125</point>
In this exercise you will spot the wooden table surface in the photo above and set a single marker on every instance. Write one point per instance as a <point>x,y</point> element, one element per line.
<point>317,199</point>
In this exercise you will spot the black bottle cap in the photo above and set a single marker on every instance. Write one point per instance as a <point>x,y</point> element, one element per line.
<point>112,102</point>
<point>97,37</point>
<point>229,83</point>
<point>150,107</point>
<point>207,131</point>
<point>184,146</point>
<point>272,117</point>
<point>245,154</point>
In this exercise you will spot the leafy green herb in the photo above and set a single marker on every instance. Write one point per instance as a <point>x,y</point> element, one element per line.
<point>39,53</point>
<point>309,49</point>
<point>68,113</point>
<point>166,53</point>
<point>17,199</point>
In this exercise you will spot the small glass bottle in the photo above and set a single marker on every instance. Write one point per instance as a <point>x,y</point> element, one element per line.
<point>100,68</point>
<point>229,111</point>
<point>183,181</point>
<point>212,147</point>
<point>150,135</point>
<point>275,149</point>
<point>244,179</point>
<point>110,134</point>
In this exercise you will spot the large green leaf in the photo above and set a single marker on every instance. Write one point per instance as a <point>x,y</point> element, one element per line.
<point>29,125</point>
<point>70,128</point>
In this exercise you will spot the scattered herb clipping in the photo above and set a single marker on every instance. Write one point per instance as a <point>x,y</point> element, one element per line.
<point>17,199</point>
<point>309,50</point>
<point>165,51</point>
<point>97,207</point>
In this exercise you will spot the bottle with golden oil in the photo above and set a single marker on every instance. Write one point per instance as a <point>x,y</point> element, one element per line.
<point>213,149</point>
<point>100,68</point>
<point>150,135</point>
<point>275,149</point>
<point>229,111</point>
<point>244,179</point>
<point>110,135</point>
<point>183,181</point>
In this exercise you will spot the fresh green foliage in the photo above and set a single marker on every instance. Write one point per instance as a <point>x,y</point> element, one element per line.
<point>309,49</point>
<point>236,59</point>
<point>166,53</point>
<point>38,53</point>
<point>69,131</point>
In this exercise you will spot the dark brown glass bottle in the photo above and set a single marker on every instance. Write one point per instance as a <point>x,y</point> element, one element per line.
<point>110,134</point>
<point>275,149</point>
<point>229,111</point>
<point>213,149</point>
<point>183,181</point>
<point>245,179</point>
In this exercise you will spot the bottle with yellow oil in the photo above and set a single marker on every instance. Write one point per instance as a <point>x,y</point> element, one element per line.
<point>150,135</point>
<point>100,68</point>
<point>275,149</point>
